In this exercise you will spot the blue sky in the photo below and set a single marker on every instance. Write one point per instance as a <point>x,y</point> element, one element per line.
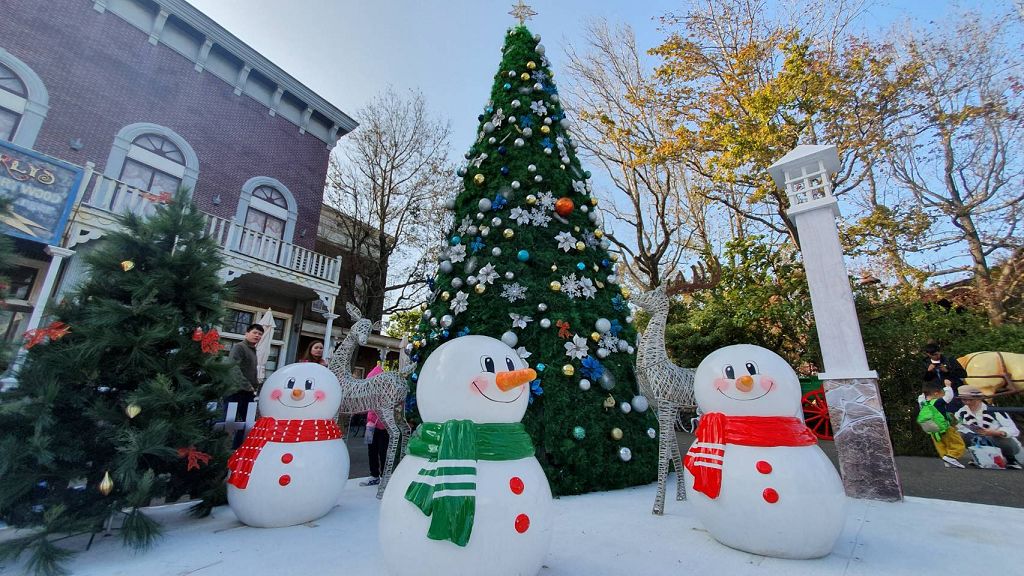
<point>349,50</point>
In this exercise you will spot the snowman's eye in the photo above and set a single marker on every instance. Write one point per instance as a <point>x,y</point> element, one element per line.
<point>487,363</point>
<point>751,368</point>
<point>729,372</point>
<point>510,364</point>
<point>291,383</point>
<point>309,384</point>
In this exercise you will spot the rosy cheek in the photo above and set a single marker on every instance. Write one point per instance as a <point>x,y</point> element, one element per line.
<point>767,383</point>
<point>275,395</point>
<point>721,383</point>
<point>320,395</point>
<point>478,385</point>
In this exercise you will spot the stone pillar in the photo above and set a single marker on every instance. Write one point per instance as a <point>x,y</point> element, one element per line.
<point>866,461</point>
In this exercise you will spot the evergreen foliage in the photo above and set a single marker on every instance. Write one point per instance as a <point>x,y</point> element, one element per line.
<point>73,420</point>
<point>503,239</point>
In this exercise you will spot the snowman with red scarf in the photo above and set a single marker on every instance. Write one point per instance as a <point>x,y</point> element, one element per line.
<point>757,479</point>
<point>293,465</point>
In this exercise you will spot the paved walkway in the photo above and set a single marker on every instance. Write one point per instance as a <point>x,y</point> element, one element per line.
<point>921,477</point>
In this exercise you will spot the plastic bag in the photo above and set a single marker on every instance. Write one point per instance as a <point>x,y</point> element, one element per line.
<point>368,436</point>
<point>985,455</point>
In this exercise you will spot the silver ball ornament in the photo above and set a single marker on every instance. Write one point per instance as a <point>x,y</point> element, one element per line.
<point>607,380</point>
<point>492,140</point>
<point>640,403</point>
<point>510,339</point>
<point>538,87</point>
<point>456,283</point>
<point>446,267</point>
<point>488,127</point>
<point>625,454</point>
<point>510,275</point>
<point>527,131</point>
<point>531,168</point>
<point>538,178</point>
<point>542,307</point>
<point>472,230</point>
<point>545,323</point>
<point>602,353</point>
<point>446,320</point>
<point>603,325</point>
<point>450,203</point>
<point>584,384</point>
<point>519,143</point>
<point>484,204</point>
<point>471,280</point>
<point>516,103</point>
<point>625,407</point>
<point>652,433</point>
<point>515,185</point>
<point>496,251</point>
<point>495,221</point>
<point>433,321</point>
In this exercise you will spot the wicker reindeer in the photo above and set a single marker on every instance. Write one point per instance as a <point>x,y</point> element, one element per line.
<point>667,386</point>
<point>384,393</point>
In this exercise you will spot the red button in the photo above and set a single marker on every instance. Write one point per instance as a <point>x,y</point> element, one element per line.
<point>284,480</point>
<point>516,485</point>
<point>287,458</point>
<point>522,523</point>
<point>770,495</point>
<point>764,467</point>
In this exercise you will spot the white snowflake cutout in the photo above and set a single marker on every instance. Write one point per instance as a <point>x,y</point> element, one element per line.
<point>539,218</point>
<point>546,200</point>
<point>514,291</point>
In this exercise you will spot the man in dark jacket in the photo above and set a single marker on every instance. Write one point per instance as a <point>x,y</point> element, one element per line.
<point>244,353</point>
<point>944,372</point>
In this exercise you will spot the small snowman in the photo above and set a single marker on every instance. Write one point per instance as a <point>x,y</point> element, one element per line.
<point>293,464</point>
<point>470,498</point>
<point>758,479</point>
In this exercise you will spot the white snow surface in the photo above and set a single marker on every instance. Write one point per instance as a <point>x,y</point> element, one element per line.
<point>601,534</point>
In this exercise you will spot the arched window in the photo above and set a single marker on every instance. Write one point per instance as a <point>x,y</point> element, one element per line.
<point>24,101</point>
<point>267,207</point>
<point>153,158</point>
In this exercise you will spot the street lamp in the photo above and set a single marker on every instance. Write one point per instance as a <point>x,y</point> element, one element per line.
<point>851,387</point>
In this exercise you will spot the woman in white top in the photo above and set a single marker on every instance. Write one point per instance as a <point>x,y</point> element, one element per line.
<point>973,421</point>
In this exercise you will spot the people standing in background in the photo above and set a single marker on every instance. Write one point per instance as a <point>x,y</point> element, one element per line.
<point>977,420</point>
<point>244,354</point>
<point>377,439</point>
<point>314,353</point>
<point>944,372</point>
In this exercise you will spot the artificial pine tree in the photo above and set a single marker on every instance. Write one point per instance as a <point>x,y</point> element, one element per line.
<point>527,263</point>
<point>112,407</point>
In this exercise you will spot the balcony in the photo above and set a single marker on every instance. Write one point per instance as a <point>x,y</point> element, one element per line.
<point>104,199</point>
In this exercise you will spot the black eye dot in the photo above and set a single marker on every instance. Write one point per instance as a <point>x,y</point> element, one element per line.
<point>291,383</point>
<point>729,372</point>
<point>309,384</point>
<point>489,364</point>
<point>511,365</point>
<point>751,368</point>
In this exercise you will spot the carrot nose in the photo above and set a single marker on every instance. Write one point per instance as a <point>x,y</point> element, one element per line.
<point>745,383</point>
<point>297,394</point>
<point>509,380</point>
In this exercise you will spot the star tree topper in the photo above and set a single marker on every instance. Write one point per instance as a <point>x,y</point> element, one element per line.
<point>522,12</point>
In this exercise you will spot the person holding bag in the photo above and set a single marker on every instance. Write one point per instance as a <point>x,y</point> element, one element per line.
<point>978,423</point>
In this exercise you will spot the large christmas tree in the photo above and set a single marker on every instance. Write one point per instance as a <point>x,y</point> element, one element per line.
<point>112,407</point>
<point>527,263</point>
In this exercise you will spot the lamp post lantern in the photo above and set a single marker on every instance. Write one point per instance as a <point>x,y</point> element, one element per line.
<point>851,387</point>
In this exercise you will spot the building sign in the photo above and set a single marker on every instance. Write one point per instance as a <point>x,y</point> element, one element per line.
<point>41,191</point>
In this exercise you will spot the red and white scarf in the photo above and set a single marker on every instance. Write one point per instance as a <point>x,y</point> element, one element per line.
<point>270,430</point>
<point>716,430</point>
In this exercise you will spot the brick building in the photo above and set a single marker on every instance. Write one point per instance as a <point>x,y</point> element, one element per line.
<point>149,95</point>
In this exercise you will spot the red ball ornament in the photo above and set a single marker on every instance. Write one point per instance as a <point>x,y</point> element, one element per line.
<point>564,206</point>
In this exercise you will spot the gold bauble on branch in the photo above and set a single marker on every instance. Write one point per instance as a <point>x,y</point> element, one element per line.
<point>127,265</point>
<point>106,485</point>
<point>625,292</point>
<point>524,76</point>
<point>595,336</point>
<point>531,64</point>
<point>616,433</point>
<point>598,233</point>
<point>568,370</point>
<point>445,295</point>
<point>555,285</point>
<point>508,233</point>
<point>132,410</point>
<point>480,288</point>
<point>479,179</point>
<point>545,129</point>
<point>581,246</point>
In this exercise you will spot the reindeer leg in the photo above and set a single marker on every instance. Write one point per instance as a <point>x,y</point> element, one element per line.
<point>664,423</point>
<point>393,436</point>
<point>677,457</point>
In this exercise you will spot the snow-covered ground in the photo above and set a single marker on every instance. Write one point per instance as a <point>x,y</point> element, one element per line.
<point>605,534</point>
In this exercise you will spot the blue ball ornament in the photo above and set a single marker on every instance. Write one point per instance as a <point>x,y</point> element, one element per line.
<point>504,170</point>
<point>581,266</point>
<point>579,433</point>
<point>415,376</point>
<point>507,86</point>
<point>605,263</point>
<point>502,150</point>
<point>523,255</point>
<point>490,109</point>
<point>456,240</point>
<point>586,174</point>
<point>541,366</point>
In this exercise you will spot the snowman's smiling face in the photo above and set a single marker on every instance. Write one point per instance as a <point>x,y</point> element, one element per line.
<point>304,391</point>
<point>746,380</point>
<point>474,378</point>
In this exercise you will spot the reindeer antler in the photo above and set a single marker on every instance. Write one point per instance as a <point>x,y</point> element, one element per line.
<point>353,312</point>
<point>705,275</point>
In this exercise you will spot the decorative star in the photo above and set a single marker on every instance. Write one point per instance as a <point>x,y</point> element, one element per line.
<point>522,12</point>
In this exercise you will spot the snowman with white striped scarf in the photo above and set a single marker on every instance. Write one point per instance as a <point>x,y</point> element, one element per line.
<point>470,497</point>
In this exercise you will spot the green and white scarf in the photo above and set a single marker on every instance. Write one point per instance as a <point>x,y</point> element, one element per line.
<point>445,488</point>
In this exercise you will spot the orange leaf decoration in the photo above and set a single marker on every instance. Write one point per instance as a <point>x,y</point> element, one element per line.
<point>195,457</point>
<point>55,331</point>
<point>211,342</point>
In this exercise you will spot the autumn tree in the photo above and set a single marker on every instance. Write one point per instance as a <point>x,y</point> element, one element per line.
<point>960,154</point>
<point>391,177</point>
<point>654,201</point>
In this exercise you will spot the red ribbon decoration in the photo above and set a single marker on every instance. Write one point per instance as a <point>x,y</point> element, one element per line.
<point>563,329</point>
<point>195,457</point>
<point>55,331</point>
<point>209,342</point>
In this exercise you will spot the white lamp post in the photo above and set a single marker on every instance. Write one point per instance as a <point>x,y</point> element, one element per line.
<point>851,388</point>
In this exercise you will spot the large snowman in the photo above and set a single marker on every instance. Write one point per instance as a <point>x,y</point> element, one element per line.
<point>470,498</point>
<point>293,464</point>
<point>759,482</point>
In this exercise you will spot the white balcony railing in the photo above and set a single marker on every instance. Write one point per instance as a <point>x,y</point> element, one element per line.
<point>117,198</point>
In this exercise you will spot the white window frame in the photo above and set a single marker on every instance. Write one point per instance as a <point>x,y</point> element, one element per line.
<point>290,215</point>
<point>123,148</point>
<point>33,109</point>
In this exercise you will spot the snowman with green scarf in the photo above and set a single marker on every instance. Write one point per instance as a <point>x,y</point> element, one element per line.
<point>470,497</point>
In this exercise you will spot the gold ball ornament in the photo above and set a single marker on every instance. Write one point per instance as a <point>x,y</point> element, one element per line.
<point>555,285</point>
<point>106,485</point>
<point>575,228</point>
<point>593,201</point>
<point>595,336</point>
<point>127,265</point>
<point>568,370</point>
<point>545,129</point>
<point>598,233</point>
<point>625,292</point>
<point>524,76</point>
<point>581,246</point>
<point>616,433</point>
<point>132,410</point>
<point>479,179</point>
<point>615,257</point>
<point>445,295</point>
<point>531,65</point>
<point>531,199</point>
<point>480,288</point>
<point>508,233</point>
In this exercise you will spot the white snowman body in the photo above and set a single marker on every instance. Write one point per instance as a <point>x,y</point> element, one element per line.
<point>512,522</point>
<point>778,501</point>
<point>295,482</point>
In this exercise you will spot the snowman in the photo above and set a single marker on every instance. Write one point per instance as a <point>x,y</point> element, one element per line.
<point>758,480</point>
<point>470,498</point>
<point>293,464</point>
